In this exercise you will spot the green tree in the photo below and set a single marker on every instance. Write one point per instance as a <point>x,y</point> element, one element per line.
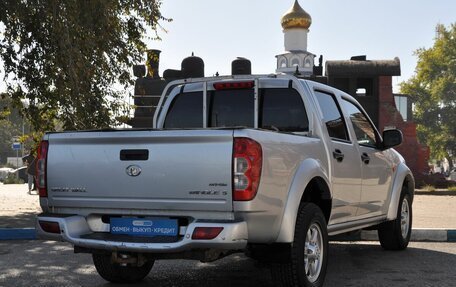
<point>433,88</point>
<point>66,57</point>
<point>11,124</point>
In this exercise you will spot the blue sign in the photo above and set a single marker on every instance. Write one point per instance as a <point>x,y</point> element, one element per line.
<point>144,226</point>
<point>16,146</point>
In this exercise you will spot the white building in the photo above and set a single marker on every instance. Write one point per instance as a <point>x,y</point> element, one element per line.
<point>295,23</point>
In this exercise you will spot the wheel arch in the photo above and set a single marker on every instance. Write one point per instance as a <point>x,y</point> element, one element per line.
<point>403,180</point>
<point>310,184</point>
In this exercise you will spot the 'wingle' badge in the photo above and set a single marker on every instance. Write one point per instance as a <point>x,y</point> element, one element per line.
<point>133,170</point>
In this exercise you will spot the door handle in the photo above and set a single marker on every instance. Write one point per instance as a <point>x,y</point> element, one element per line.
<point>338,155</point>
<point>365,158</point>
<point>134,154</point>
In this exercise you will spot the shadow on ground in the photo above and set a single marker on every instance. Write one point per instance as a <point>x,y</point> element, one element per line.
<point>19,220</point>
<point>41,263</point>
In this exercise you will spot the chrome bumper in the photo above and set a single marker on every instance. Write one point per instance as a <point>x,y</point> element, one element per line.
<point>233,237</point>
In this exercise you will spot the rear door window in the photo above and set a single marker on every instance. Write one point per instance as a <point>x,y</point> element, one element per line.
<point>332,116</point>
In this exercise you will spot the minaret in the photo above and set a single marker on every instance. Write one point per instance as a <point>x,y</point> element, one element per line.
<point>295,23</point>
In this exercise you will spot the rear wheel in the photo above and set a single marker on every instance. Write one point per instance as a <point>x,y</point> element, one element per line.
<point>395,234</point>
<point>117,273</point>
<point>307,262</point>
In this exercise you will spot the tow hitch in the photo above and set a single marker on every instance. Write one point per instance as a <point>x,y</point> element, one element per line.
<point>128,259</point>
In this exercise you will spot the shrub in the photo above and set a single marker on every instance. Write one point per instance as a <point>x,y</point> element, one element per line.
<point>12,179</point>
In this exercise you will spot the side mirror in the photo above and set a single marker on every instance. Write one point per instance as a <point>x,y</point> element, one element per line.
<point>391,138</point>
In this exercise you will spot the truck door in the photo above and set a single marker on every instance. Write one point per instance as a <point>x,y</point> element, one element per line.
<point>376,164</point>
<point>346,166</point>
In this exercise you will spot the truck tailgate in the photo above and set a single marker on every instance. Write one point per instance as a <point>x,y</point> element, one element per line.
<point>178,170</point>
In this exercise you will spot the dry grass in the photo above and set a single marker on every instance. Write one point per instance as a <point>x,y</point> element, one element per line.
<point>428,188</point>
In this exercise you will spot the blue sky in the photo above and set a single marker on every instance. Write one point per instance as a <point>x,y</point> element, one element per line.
<point>219,31</point>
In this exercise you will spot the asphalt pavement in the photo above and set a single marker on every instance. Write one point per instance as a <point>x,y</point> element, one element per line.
<point>53,264</point>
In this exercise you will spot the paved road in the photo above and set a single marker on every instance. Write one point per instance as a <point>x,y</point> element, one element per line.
<point>434,211</point>
<point>39,263</point>
<point>17,208</point>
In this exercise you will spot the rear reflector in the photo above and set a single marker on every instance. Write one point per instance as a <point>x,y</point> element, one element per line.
<point>50,226</point>
<point>234,85</point>
<point>206,233</point>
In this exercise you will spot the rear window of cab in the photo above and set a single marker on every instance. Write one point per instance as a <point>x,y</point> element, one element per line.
<point>280,109</point>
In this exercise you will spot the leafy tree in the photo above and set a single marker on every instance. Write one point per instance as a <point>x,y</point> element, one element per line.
<point>7,132</point>
<point>66,57</point>
<point>11,124</point>
<point>433,88</point>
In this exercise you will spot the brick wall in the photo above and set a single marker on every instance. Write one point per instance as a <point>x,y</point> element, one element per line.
<point>415,153</point>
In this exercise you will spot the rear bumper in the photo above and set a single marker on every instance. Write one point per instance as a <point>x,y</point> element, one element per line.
<point>75,230</point>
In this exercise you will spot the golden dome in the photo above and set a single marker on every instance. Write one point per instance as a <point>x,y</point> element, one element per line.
<point>296,17</point>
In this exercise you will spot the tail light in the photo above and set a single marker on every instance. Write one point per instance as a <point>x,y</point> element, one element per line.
<point>247,162</point>
<point>41,167</point>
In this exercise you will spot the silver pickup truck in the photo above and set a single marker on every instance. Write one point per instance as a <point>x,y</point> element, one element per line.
<point>266,165</point>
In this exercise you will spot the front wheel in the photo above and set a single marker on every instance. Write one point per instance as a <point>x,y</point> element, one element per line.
<point>116,273</point>
<point>308,256</point>
<point>395,234</point>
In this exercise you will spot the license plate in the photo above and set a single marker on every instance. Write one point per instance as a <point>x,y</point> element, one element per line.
<point>144,226</point>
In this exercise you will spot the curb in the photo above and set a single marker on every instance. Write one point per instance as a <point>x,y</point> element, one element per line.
<point>418,234</point>
<point>17,234</point>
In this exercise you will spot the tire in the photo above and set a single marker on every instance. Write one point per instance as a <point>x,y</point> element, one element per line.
<point>308,255</point>
<point>395,234</point>
<point>117,273</point>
